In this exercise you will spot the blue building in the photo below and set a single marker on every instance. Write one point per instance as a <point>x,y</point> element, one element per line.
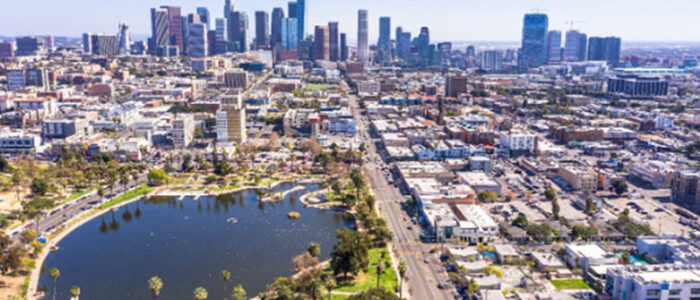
<point>534,42</point>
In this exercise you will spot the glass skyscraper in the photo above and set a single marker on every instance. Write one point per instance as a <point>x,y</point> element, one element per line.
<point>362,36</point>
<point>301,19</point>
<point>534,42</point>
<point>290,40</point>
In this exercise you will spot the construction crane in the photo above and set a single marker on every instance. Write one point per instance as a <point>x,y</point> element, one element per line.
<point>572,22</point>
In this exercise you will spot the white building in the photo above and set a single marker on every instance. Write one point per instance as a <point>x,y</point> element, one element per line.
<point>183,130</point>
<point>517,140</point>
<point>662,282</point>
<point>368,88</point>
<point>230,120</point>
<point>16,142</point>
<point>467,222</point>
<point>587,255</point>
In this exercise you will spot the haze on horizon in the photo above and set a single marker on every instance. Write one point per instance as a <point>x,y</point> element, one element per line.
<point>448,20</point>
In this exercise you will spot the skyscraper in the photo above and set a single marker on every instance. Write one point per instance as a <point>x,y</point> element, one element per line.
<point>302,18</point>
<point>492,60</point>
<point>104,44</point>
<point>204,17</point>
<point>87,44</point>
<point>160,31</point>
<point>575,47</point>
<point>124,39</point>
<point>221,42</point>
<point>605,49</point>
<point>262,29</point>
<point>444,52</point>
<point>289,34</point>
<point>423,43</point>
<point>197,45</point>
<point>175,27</point>
<point>321,43</point>
<point>343,47</point>
<point>230,120</point>
<point>292,9</point>
<point>240,31</point>
<point>403,43</point>
<point>384,43</point>
<point>276,36</point>
<point>362,36</point>
<point>334,47</point>
<point>554,47</point>
<point>534,42</point>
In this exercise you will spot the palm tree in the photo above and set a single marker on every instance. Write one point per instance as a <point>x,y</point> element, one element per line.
<point>238,293</point>
<point>226,276</point>
<point>155,284</point>
<point>200,293</point>
<point>403,267</point>
<point>75,292</point>
<point>330,285</point>
<point>54,273</point>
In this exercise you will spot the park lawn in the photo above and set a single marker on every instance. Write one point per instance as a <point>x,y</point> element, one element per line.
<point>226,188</point>
<point>570,284</point>
<point>130,194</point>
<point>335,296</point>
<point>367,280</point>
<point>318,87</point>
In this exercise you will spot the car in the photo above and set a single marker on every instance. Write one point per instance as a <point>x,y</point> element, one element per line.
<point>441,286</point>
<point>425,260</point>
<point>409,227</point>
<point>659,209</point>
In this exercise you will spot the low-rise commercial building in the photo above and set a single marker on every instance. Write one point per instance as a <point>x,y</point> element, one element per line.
<point>662,282</point>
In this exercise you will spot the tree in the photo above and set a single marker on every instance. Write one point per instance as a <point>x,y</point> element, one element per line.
<point>472,288</point>
<point>75,291</point>
<point>403,268</point>
<point>200,293</point>
<point>28,236</point>
<point>330,284</point>
<point>590,206</point>
<point>155,284</point>
<point>223,168</point>
<point>555,208</point>
<point>225,276</point>
<point>3,164</point>
<point>550,194</point>
<point>584,232</point>
<point>520,221</point>
<point>157,176</point>
<point>487,196</point>
<point>337,186</point>
<point>381,266</point>
<point>620,187</point>
<point>375,294</point>
<point>626,257</point>
<point>351,253</point>
<point>238,293</point>
<point>314,249</point>
<point>54,273</point>
<point>39,187</point>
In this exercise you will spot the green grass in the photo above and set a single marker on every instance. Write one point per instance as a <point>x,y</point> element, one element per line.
<point>318,87</point>
<point>570,284</point>
<point>335,296</point>
<point>365,281</point>
<point>131,194</point>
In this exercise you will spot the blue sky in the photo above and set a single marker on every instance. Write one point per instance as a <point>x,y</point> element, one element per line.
<point>455,20</point>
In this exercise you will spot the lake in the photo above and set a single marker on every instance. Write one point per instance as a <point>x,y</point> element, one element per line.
<point>187,242</point>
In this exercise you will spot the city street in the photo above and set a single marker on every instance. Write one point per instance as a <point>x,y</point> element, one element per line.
<point>423,277</point>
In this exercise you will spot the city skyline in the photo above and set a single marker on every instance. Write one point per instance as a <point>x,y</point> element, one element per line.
<point>600,18</point>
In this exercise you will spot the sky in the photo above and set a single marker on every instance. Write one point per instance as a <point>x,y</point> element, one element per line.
<point>449,20</point>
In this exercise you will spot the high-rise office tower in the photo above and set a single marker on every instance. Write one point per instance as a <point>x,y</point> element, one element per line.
<point>403,43</point>
<point>384,43</point>
<point>48,43</point>
<point>221,35</point>
<point>292,9</point>
<point>554,47</point>
<point>302,18</point>
<point>344,47</point>
<point>197,45</point>
<point>534,41</point>
<point>160,32</point>
<point>321,43</point>
<point>276,29</point>
<point>262,29</point>
<point>28,45</point>
<point>175,27</point>
<point>204,17</point>
<point>228,9</point>
<point>444,52</point>
<point>124,39</point>
<point>605,49</point>
<point>471,51</point>
<point>289,34</point>
<point>362,35</point>
<point>305,51</point>
<point>240,31</point>
<point>333,47</point>
<point>211,43</point>
<point>87,43</point>
<point>575,46</point>
<point>7,50</point>
<point>492,60</point>
<point>104,44</point>
<point>423,44</point>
